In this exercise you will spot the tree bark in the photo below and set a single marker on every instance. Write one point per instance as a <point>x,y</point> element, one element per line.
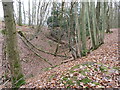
<point>107,19</point>
<point>20,14</point>
<point>24,13</point>
<point>83,28</point>
<point>12,49</point>
<point>78,36</point>
<point>29,22</point>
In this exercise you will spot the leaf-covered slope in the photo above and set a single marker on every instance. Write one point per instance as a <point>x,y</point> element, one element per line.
<point>98,69</point>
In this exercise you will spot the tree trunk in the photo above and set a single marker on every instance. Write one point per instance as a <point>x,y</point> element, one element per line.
<point>107,19</point>
<point>20,15</point>
<point>78,36</point>
<point>38,11</point>
<point>72,33</point>
<point>94,24</point>
<point>12,49</point>
<point>88,21</point>
<point>83,28</point>
<point>103,14</point>
<point>24,13</point>
<point>98,26</point>
<point>29,15</point>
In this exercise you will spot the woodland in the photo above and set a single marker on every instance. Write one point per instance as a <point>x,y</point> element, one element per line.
<point>48,44</point>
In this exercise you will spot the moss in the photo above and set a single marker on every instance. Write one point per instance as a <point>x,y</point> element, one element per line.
<point>85,70</point>
<point>85,80</point>
<point>51,77</point>
<point>46,69</point>
<point>3,31</point>
<point>55,66</point>
<point>78,82</point>
<point>96,83</point>
<point>49,68</point>
<point>103,68</point>
<point>95,69</point>
<point>69,82</point>
<point>18,81</point>
<point>82,72</point>
<point>20,32</point>
<point>83,53</point>
<point>17,65</point>
<point>117,68</point>
<point>74,78</point>
<point>74,67</point>
<point>65,78</point>
<point>68,87</point>
<point>71,71</point>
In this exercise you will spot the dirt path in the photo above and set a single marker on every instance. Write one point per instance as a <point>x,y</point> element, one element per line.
<point>106,54</point>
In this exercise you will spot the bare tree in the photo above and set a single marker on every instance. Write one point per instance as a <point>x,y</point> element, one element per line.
<point>20,14</point>
<point>29,14</point>
<point>12,48</point>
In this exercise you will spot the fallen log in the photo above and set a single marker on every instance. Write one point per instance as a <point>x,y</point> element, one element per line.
<point>34,51</point>
<point>22,35</point>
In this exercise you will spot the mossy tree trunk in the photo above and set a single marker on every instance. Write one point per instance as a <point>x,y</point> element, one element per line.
<point>12,49</point>
<point>83,28</point>
<point>103,16</point>
<point>94,24</point>
<point>98,26</point>
<point>90,25</point>
<point>72,32</point>
<point>88,21</point>
<point>77,28</point>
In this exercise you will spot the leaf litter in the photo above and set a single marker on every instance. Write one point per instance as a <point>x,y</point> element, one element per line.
<point>100,69</point>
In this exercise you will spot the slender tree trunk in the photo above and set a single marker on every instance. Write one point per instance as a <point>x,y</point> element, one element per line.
<point>12,49</point>
<point>111,13</point>
<point>103,13</point>
<point>88,21</point>
<point>91,31</point>
<point>107,19</point>
<point>20,14</point>
<point>33,12</point>
<point>98,26</point>
<point>29,15</point>
<point>72,33</point>
<point>83,28</point>
<point>38,11</point>
<point>24,14</point>
<point>78,36</point>
<point>94,24</point>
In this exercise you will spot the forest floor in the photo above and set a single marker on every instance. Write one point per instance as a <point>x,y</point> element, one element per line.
<point>38,73</point>
<point>99,69</point>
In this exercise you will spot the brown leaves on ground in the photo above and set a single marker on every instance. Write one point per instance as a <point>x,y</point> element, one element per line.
<point>99,69</point>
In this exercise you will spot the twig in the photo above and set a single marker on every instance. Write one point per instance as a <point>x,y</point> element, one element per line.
<point>65,61</point>
<point>6,82</point>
